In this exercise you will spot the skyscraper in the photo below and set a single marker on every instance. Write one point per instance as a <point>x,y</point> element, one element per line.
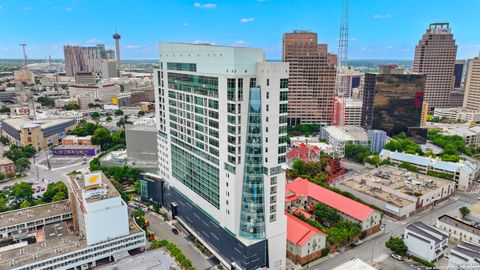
<point>85,59</point>
<point>458,73</point>
<point>222,125</point>
<point>117,37</point>
<point>435,57</point>
<point>312,78</point>
<point>74,60</point>
<point>472,85</point>
<point>393,102</point>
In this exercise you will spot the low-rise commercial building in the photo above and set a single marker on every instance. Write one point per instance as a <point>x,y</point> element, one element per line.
<point>355,264</point>
<point>338,137</point>
<point>300,193</point>
<point>115,158</point>
<point>77,140</point>
<point>102,92</point>
<point>469,133</point>
<point>76,150</point>
<point>458,114</point>
<point>304,242</point>
<point>463,172</point>
<point>464,256</point>
<point>398,192</point>
<point>458,229</point>
<point>40,134</point>
<point>425,241</point>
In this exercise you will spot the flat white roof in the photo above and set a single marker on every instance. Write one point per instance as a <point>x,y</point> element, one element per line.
<point>355,264</point>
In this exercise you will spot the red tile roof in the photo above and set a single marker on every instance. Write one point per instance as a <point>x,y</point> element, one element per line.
<point>343,204</point>
<point>303,152</point>
<point>305,213</point>
<point>298,231</point>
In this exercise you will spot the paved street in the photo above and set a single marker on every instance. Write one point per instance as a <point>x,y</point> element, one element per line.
<point>376,244</point>
<point>163,230</point>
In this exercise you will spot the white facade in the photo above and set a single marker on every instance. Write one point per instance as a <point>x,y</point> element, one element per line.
<point>425,242</point>
<point>209,128</point>
<point>458,229</point>
<point>464,256</point>
<point>350,112</point>
<point>462,114</point>
<point>463,172</point>
<point>338,137</point>
<point>472,85</point>
<point>102,92</point>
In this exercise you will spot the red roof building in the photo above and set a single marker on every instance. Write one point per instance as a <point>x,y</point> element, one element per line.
<point>304,242</point>
<point>303,190</point>
<point>303,152</point>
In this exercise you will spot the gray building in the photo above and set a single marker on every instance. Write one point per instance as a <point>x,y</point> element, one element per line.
<point>378,139</point>
<point>142,146</point>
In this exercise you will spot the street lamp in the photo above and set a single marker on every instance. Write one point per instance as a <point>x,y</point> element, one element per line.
<point>373,248</point>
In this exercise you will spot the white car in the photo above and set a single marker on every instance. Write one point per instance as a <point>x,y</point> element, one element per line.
<point>397,257</point>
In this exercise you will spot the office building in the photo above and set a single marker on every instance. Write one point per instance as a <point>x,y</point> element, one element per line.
<point>392,102</point>
<point>425,241</point>
<point>103,92</point>
<point>24,75</point>
<point>464,256</point>
<point>222,129</point>
<point>378,139</point>
<point>312,78</point>
<point>349,111</point>
<point>456,98</point>
<point>85,59</point>
<point>93,226</point>
<point>338,137</point>
<point>390,69</point>
<point>85,78</point>
<point>40,134</point>
<point>458,114</point>
<point>462,172</point>
<point>142,151</point>
<point>458,72</point>
<point>472,85</point>
<point>109,69</point>
<point>398,192</point>
<point>74,60</point>
<point>435,57</point>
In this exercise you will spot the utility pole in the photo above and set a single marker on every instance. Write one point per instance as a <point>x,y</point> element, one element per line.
<point>373,248</point>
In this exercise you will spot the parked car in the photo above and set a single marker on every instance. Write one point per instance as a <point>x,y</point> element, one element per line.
<point>174,231</point>
<point>397,257</point>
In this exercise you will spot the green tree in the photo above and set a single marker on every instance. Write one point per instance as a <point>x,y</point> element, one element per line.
<point>22,164</point>
<point>71,107</point>
<point>25,204</point>
<point>118,112</point>
<point>357,153</point>
<point>326,214</point>
<point>95,115</point>
<point>84,128</point>
<point>14,153</point>
<point>102,137</point>
<point>46,102</point>
<point>109,119</point>
<point>396,245</point>
<point>20,192</point>
<point>29,151</point>
<point>55,192</point>
<point>464,211</point>
<point>141,113</point>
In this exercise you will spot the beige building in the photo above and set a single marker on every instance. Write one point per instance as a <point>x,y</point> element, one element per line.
<point>40,134</point>
<point>435,57</point>
<point>472,86</point>
<point>24,75</point>
<point>311,84</point>
<point>7,166</point>
<point>102,92</point>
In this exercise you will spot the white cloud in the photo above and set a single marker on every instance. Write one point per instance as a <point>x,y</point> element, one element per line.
<point>132,46</point>
<point>92,40</point>
<point>240,43</point>
<point>383,17</point>
<point>68,9</point>
<point>246,20</point>
<point>203,42</point>
<point>206,5</point>
<point>184,24</point>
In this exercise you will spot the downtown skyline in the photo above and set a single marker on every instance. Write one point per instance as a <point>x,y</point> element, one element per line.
<point>48,25</point>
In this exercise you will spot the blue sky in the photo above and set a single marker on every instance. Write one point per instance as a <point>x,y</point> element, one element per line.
<point>379,29</point>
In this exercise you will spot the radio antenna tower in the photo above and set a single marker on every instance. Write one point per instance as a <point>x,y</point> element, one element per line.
<point>341,92</point>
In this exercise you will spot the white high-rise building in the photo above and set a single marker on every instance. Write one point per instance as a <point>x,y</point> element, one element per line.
<point>222,125</point>
<point>472,86</point>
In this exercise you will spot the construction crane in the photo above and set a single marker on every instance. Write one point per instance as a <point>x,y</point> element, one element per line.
<point>341,92</point>
<point>24,53</point>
